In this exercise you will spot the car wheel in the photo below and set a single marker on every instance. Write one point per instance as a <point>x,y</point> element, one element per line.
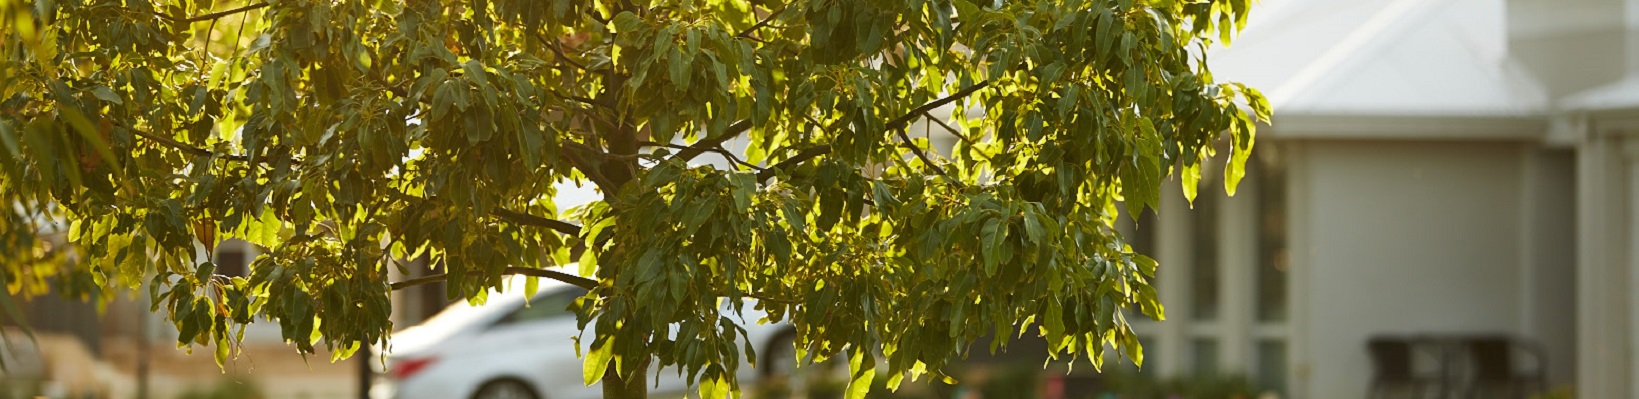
<point>505,389</point>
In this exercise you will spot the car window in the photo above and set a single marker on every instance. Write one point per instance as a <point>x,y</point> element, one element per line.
<point>545,306</point>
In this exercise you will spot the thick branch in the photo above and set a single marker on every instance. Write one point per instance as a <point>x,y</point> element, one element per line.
<point>574,280</point>
<point>532,220</point>
<point>214,15</point>
<point>587,167</point>
<point>418,281</point>
<point>577,281</point>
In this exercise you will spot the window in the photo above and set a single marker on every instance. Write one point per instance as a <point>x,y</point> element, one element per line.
<point>232,258</point>
<point>1270,176</point>
<point>1204,352</point>
<point>1143,235</point>
<point>1224,272</point>
<point>1204,299</point>
<point>1152,351</point>
<point>1270,372</point>
<point>546,305</point>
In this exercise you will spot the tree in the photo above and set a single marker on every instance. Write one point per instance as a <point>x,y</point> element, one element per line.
<point>343,135</point>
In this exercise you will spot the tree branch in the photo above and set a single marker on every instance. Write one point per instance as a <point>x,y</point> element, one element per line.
<point>956,133</point>
<point>574,280</point>
<point>705,144</point>
<point>214,15</point>
<point>906,119</point>
<point>802,156</point>
<point>924,156</point>
<point>557,48</point>
<point>582,100</point>
<point>532,220</point>
<point>512,216</point>
<point>717,149</point>
<point>949,128</point>
<point>587,167</point>
<point>177,145</point>
<point>746,34</point>
<point>418,281</point>
<point>895,124</point>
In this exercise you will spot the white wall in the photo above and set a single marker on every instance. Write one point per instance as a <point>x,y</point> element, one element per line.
<point>1403,238</point>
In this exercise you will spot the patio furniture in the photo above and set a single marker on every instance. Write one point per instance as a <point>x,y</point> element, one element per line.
<point>1395,374</point>
<point>1497,372</point>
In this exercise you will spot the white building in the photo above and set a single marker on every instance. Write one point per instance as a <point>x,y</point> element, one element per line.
<point>1433,167</point>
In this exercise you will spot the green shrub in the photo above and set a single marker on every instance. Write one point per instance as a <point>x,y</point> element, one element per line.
<point>228,387</point>
<point>1129,385</point>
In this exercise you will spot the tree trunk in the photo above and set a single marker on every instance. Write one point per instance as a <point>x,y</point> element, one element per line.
<point>634,387</point>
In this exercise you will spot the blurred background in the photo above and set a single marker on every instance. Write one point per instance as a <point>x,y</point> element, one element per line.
<point>1443,206</point>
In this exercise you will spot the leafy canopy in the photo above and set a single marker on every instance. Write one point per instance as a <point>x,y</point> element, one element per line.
<point>341,135</point>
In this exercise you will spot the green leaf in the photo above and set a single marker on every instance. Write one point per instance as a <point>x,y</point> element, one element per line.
<point>1053,322</point>
<point>716,387</point>
<point>204,272</point>
<point>862,366</point>
<point>1240,151</point>
<point>1146,265</point>
<point>992,234</point>
<point>588,263</point>
<point>677,68</point>
<point>1033,229</point>
<point>263,230</point>
<point>106,94</point>
<point>1191,181</point>
<point>627,22</point>
<point>222,351</point>
<point>882,195</point>
<point>8,138</point>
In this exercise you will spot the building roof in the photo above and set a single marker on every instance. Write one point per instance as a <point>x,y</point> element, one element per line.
<point>1381,57</point>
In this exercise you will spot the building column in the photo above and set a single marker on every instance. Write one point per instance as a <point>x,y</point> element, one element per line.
<point>1300,258</point>
<point>1237,259</point>
<point>1630,152</point>
<point>1175,252</point>
<point>1603,353</point>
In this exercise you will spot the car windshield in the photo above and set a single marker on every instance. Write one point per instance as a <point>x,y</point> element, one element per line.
<point>461,313</point>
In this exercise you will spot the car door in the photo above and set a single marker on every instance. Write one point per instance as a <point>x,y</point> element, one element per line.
<point>535,343</point>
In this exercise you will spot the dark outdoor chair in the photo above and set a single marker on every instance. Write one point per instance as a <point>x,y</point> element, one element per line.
<point>1394,372</point>
<point>1497,372</point>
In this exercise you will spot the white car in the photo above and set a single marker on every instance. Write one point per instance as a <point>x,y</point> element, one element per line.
<point>504,349</point>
